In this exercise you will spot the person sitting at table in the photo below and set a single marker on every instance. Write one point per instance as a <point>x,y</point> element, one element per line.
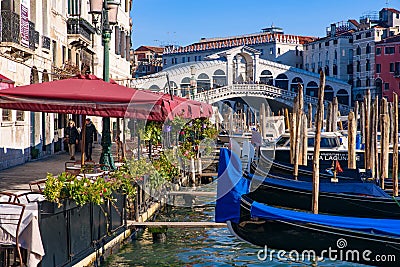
<point>72,138</point>
<point>91,134</point>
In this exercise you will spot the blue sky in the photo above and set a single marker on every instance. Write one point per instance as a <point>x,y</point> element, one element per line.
<point>182,22</point>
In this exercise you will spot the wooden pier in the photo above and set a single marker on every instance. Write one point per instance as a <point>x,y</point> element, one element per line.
<point>192,193</point>
<point>177,224</point>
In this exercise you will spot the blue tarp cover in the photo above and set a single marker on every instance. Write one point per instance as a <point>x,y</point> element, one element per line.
<point>231,186</point>
<point>390,227</point>
<point>369,189</point>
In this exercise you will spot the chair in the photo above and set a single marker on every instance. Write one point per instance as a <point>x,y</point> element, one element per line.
<point>70,167</point>
<point>39,184</point>
<point>11,220</point>
<point>30,197</point>
<point>8,197</point>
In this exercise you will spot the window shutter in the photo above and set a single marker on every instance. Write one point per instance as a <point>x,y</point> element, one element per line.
<point>128,47</point>
<point>122,42</point>
<point>117,41</point>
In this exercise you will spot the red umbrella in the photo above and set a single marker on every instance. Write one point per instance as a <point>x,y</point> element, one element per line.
<point>86,95</point>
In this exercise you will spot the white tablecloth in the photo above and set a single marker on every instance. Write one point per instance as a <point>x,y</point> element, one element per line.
<point>29,233</point>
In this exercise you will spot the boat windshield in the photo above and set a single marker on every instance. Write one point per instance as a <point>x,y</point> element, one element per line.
<point>326,142</point>
<point>283,141</point>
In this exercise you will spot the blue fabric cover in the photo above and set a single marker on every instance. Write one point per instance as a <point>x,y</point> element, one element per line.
<point>369,189</point>
<point>389,227</point>
<point>231,186</point>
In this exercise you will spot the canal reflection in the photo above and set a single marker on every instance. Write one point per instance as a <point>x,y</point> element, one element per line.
<point>195,247</point>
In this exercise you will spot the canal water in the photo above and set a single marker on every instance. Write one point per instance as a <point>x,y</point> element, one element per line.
<point>196,247</point>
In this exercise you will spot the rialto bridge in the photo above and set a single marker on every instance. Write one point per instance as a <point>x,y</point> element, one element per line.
<point>240,73</point>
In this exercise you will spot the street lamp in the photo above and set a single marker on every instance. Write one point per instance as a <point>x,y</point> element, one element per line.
<point>105,12</point>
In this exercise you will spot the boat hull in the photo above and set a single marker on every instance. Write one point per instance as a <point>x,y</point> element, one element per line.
<point>306,237</point>
<point>332,203</point>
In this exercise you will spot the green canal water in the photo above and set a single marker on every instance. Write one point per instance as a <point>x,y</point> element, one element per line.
<point>195,247</point>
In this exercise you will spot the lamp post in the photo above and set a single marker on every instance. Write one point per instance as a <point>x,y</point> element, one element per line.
<point>104,16</point>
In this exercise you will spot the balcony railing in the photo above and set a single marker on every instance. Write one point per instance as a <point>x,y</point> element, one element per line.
<point>10,30</point>
<point>81,27</point>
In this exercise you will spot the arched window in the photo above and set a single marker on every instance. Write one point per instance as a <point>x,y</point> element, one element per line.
<point>173,86</point>
<point>294,85</point>
<point>367,65</point>
<point>312,89</point>
<point>334,69</point>
<point>342,97</point>
<point>185,86</point>
<point>358,51</point>
<point>154,88</point>
<point>328,94</point>
<point>378,85</point>
<point>358,82</point>
<point>282,81</point>
<point>358,66</point>
<point>203,82</point>
<point>326,69</point>
<point>368,49</point>
<point>266,77</point>
<point>335,56</point>
<point>367,82</point>
<point>219,79</point>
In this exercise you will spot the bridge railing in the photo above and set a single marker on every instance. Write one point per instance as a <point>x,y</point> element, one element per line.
<point>260,90</point>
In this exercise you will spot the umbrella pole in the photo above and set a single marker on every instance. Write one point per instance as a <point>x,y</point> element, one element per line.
<point>83,134</point>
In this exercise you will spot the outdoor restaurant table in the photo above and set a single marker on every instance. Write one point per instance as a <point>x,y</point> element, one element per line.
<point>29,233</point>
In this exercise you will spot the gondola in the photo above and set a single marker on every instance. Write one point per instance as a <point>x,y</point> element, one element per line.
<point>362,199</point>
<point>333,157</point>
<point>289,229</point>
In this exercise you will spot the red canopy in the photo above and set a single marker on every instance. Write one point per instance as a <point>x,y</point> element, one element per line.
<point>89,95</point>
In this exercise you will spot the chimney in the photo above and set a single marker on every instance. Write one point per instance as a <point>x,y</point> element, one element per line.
<point>333,30</point>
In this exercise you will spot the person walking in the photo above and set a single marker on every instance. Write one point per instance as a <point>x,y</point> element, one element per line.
<point>72,136</point>
<point>90,136</point>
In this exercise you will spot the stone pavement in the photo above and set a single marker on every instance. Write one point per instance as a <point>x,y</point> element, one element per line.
<point>18,178</point>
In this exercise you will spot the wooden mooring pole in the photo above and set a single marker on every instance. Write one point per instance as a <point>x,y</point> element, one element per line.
<point>395,172</point>
<point>352,141</point>
<point>317,143</point>
<point>384,149</point>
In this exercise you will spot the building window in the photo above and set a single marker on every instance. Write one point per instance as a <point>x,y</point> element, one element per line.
<point>350,41</point>
<point>367,65</point>
<point>74,7</point>
<point>378,51</point>
<point>54,50</point>
<point>386,86</point>
<point>327,43</point>
<point>368,34</point>
<point>358,51</point>
<point>20,115</point>
<point>334,70</point>
<point>64,52</point>
<point>368,49</point>
<point>358,36</point>
<point>319,45</point>
<point>367,82</point>
<point>183,59</point>
<point>271,51</point>
<point>188,59</point>
<point>6,115</point>
<point>262,51</point>
<point>358,82</point>
<point>391,67</point>
<point>358,66</point>
<point>378,68</point>
<point>279,50</point>
<point>389,50</point>
<point>335,41</point>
